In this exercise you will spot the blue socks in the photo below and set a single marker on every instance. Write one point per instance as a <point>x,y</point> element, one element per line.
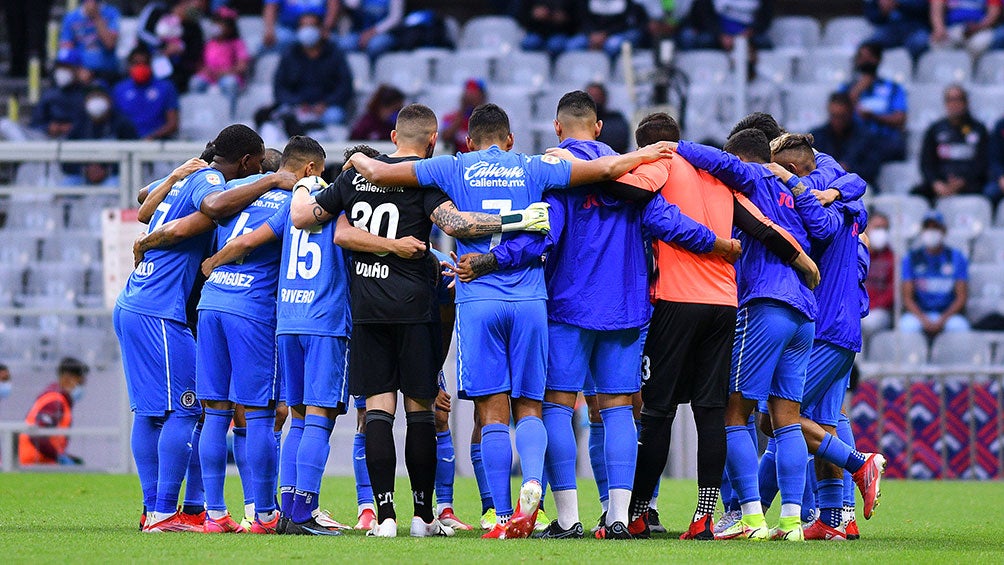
<point>445,468</point>
<point>261,456</point>
<point>809,492</point>
<point>791,457</point>
<point>831,501</point>
<point>213,456</point>
<point>740,462</point>
<point>311,458</point>
<point>846,435</point>
<point>767,475</point>
<point>620,446</point>
<point>835,451</point>
<point>173,451</point>
<point>479,474</point>
<point>561,448</point>
<point>195,495</point>
<point>287,465</point>
<point>531,444</point>
<point>496,450</point>
<point>596,461</point>
<point>364,492</point>
<point>729,498</point>
<point>145,437</point>
<point>241,459</point>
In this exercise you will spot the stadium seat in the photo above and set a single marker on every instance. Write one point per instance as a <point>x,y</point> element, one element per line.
<point>531,69</point>
<point>961,348</point>
<point>899,177</point>
<point>925,105</point>
<point>498,33</point>
<point>458,67</point>
<point>515,100</point>
<point>961,241</point>
<point>11,280</point>
<point>91,345</point>
<point>79,248</point>
<point>202,116</point>
<point>255,96</point>
<point>547,101</point>
<point>33,217</point>
<point>825,65</point>
<point>905,212</point>
<point>898,348</point>
<point>264,68</point>
<point>443,99</point>
<point>805,106</point>
<point>990,68</point>
<point>402,71</point>
<point>581,68</point>
<point>17,249</point>
<point>707,67</point>
<point>55,279</point>
<point>967,214</point>
<point>775,65</point>
<point>986,290</point>
<point>985,102</point>
<point>897,65</point>
<point>796,32</point>
<point>86,214</point>
<point>128,27</point>
<point>987,248</point>
<point>251,30</point>
<point>847,32</point>
<point>642,63</point>
<point>360,65</point>
<point>22,345</point>
<point>944,66</point>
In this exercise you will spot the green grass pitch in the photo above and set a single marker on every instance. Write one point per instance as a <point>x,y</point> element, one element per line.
<point>59,518</point>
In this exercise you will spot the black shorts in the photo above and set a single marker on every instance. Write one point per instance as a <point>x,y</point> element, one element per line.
<point>395,357</point>
<point>688,355</point>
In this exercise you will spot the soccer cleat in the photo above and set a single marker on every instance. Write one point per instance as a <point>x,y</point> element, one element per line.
<point>522,522</point>
<point>247,522</point>
<point>259,527</point>
<point>367,519</point>
<point>600,522</point>
<point>638,528</point>
<point>197,520</point>
<point>617,530</point>
<point>448,518</point>
<point>793,533</point>
<point>488,519</point>
<point>496,532</point>
<point>174,523</point>
<point>654,525</point>
<point>421,529</point>
<point>142,521</point>
<point>852,530</point>
<point>821,531</point>
<point>757,530</point>
<point>554,531</point>
<point>728,519</point>
<point>310,528</point>
<point>701,529</point>
<point>283,524</point>
<point>224,525</point>
<point>542,521</point>
<point>385,529</point>
<point>868,479</point>
<point>323,517</point>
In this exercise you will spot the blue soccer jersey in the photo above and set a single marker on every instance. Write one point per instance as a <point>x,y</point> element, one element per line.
<point>495,182</point>
<point>247,288</point>
<point>313,279</point>
<point>161,284</point>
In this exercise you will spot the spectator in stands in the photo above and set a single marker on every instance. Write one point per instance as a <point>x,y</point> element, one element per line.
<point>282,19</point>
<point>715,24</point>
<point>62,104</point>
<point>6,386</point>
<point>995,185</point>
<point>92,32</point>
<point>954,158</point>
<point>881,281</point>
<point>225,60</point>
<point>616,132</point>
<point>54,409</point>
<point>27,22</point>
<point>313,83</point>
<point>548,25</point>
<point>665,17</point>
<point>899,23</point>
<point>102,121</point>
<point>879,104</point>
<point>454,129</point>
<point>964,23</point>
<point>607,24</point>
<point>150,104</point>
<point>381,115</point>
<point>935,283</point>
<point>371,24</point>
<point>847,141</point>
<point>172,33</point>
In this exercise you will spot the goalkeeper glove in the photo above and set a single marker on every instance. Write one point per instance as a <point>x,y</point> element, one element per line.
<point>534,218</point>
<point>311,183</point>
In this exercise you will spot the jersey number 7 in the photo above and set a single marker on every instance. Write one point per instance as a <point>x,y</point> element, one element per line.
<point>503,206</point>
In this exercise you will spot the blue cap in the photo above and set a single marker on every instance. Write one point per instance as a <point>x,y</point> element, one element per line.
<point>934,216</point>
<point>69,57</point>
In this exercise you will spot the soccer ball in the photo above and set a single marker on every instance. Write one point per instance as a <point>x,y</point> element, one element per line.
<point>312,183</point>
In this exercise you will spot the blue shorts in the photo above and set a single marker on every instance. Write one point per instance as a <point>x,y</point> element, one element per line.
<point>158,358</point>
<point>502,348</point>
<point>612,358</point>
<point>770,352</point>
<point>826,382</point>
<point>236,360</point>
<point>314,370</point>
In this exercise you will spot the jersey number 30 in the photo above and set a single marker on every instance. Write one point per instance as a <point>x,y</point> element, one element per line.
<point>366,217</point>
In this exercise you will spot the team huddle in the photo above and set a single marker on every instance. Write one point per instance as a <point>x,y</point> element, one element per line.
<point>729,279</point>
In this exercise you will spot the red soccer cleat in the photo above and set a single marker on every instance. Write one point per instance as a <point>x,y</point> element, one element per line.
<point>197,520</point>
<point>522,523</point>
<point>868,479</point>
<point>821,531</point>
<point>367,518</point>
<point>448,518</point>
<point>852,530</point>
<point>701,529</point>
<point>224,525</point>
<point>259,527</point>
<point>638,527</point>
<point>142,521</point>
<point>175,523</point>
<point>496,532</point>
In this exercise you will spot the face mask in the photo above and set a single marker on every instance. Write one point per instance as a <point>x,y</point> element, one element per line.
<point>867,68</point>
<point>308,36</point>
<point>97,107</point>
<point>77,393</point>
<point>141,73</point>
<point>62,77</point>
<point>5,389</point>
<point>879,238</point>
<point>931,238</point>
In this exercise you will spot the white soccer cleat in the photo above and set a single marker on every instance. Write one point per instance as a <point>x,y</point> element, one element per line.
<point>385,529</point>
<point>420,529</point>
<point>323,517</point>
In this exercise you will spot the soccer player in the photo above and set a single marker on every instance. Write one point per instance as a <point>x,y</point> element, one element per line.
<point>502,340</point>
<point>396,345</point>
<point>158,349</point>
<point>598,301</point>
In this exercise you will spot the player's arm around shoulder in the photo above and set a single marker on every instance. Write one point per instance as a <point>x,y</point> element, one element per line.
<point>307,210</point>
<point>151,197</point>
<point>384,174</point>
<point>225,203</point>
<point>614,166</point>
<point>172,233</point>
<point>352,238</point>
<point>239,247</point>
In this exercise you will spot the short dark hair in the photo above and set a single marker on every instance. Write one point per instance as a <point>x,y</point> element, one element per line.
<point>488,121</point>
<point>385,95</point>
<point>139,50</point>
<point>749,144</point>
<point>659,126</point>
<point>577,105</point>
<point>272,160</point>
<point>361,148</point>
<point>875,48</point>
<point>761,121</point>
<point>416,122</point>
<point>841,98</point>
<point>302,149</point>
<point>208,153</point>
<point>235,141</point>
<point>73,366</point>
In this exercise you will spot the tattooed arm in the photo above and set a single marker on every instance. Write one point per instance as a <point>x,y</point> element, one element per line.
<point>305,210</point>
<point>474,265</point>
<point>465,225</point>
